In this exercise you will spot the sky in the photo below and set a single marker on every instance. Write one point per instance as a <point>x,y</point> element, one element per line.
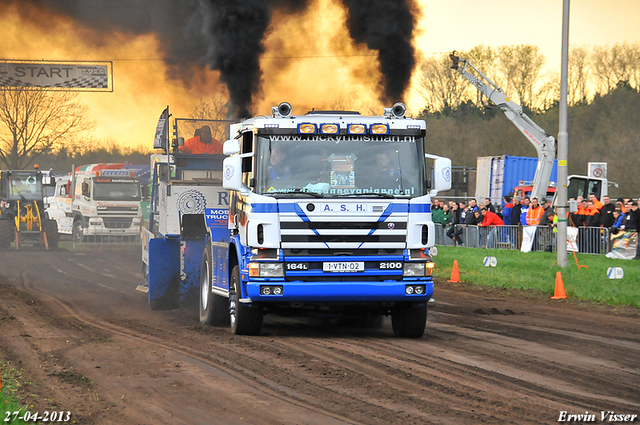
<point>463,24</point>
<point>324,64</point>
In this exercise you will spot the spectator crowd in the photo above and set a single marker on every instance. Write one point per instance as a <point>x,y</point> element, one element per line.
<point>590,218</point>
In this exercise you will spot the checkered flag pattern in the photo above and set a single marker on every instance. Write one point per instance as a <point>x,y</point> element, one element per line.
<point>89,82</point>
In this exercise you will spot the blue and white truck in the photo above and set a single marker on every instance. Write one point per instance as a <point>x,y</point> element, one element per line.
<point>329,215</point>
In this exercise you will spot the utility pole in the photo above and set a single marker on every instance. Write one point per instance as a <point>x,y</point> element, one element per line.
<point>563,143</point>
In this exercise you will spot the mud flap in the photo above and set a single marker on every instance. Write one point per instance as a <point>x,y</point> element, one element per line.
<point>164,273</point>
<point>192,258</point>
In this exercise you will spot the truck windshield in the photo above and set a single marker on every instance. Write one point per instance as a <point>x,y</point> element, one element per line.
<point>338,166</point>
<point>26,186</point>
<point>116,191</point>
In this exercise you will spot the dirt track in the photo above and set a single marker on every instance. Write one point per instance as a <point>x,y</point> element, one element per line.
<point>89,342</point>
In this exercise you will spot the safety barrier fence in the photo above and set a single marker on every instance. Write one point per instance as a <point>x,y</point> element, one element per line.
<point>589,240</point>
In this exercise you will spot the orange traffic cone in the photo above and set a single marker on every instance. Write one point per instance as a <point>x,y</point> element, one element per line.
<point>559,293</point>
<point>455,274</point>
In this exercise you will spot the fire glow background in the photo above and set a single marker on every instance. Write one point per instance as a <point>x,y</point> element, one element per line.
<point>259,53</point>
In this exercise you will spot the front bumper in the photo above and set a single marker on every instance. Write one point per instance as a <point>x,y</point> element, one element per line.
<point>330,292</point>
<point>114,226</point>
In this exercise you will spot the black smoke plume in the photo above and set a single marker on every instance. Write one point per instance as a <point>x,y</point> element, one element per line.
<point>386,26</point>
<point>227,35</point>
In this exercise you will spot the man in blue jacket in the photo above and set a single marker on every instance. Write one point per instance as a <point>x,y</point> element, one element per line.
<point>524,210</point>
<point>507,210</point>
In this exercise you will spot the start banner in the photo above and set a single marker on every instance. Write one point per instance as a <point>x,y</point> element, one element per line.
<point>73,76</point>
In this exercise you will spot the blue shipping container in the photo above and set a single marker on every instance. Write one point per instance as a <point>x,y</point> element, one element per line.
<point>508,171</point>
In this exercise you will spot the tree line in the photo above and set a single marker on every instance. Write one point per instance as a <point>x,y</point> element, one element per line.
<point>519,70</point>
<point>603,102</point>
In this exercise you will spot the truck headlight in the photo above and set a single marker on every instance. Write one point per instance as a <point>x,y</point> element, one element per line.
<point>418,269</point>
<point>266,270</point>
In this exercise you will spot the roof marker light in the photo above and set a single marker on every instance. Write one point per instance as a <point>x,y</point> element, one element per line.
<point>329,128</point>
<point>379,129</point>
<point>307,128</point>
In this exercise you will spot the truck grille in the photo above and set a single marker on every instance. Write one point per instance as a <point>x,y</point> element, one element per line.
<point>120,211</point>
<point>357,234</point>
<point>343,238</point>
<point>117,222</point>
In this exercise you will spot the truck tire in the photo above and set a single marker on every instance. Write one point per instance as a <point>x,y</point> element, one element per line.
<point>213,307</point>
<point>6,233</point>
<point>51,230</point>
<point>409,321</point>
<point>78,232</point>
<point>244,320</point>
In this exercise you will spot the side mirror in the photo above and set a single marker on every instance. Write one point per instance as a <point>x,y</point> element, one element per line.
<point>231,147</point>
<point>441,174</point>
<point>232,172</point>
<point>85,189</point>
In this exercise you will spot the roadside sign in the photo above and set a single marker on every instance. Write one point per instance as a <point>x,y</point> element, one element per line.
<point>65,76</point>
<point>615,273</point>
<point>490,261</point>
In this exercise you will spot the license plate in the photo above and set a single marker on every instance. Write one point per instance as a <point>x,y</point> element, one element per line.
<point>343,266</point>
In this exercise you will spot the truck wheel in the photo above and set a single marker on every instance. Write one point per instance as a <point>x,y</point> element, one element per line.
<point>409,321</point>
<point>6,233</point>
<point>51,230</point>
<point>78,233</point>
<point>244,320</point>
<point>213,308</point>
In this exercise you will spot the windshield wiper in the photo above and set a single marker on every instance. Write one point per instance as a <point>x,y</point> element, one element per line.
<point>380,195</point>
<point>299,192</point>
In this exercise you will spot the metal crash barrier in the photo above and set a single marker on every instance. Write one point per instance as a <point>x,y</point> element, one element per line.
<point>590,240</point>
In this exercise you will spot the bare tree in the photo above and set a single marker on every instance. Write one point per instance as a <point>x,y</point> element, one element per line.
<point>617,64</point>
<point>33,122</point>
<point>483,58</point>
<point>578,77</point>
<point>214,108</point>
<point>441,88</point>
<point>349,102</point>
<point>633,56</point>
<point>521,67</point>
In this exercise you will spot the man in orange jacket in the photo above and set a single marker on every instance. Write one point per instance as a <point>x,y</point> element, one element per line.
<point>596,203</point>
<point>535,213</point>
<point>202,142</point>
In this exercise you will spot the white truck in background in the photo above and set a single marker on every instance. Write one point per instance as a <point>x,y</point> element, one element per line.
<point>99,202</point>
<point>58,206</point>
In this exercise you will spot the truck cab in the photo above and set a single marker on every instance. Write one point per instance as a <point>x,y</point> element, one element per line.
<point>23,219</point>
<point>585,185</point>
<point>58,205</point>
<point>330,213</point>
<point>106,207</point>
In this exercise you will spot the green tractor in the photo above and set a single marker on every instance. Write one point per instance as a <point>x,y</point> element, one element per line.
<point>23,219</point>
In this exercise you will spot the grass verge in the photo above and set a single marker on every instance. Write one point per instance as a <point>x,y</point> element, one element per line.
<point>537,271</point>
<point>9,402</point>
